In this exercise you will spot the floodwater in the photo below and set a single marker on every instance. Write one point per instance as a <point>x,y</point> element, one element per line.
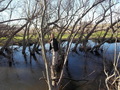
<point>22,75</point>
<point>85,69</point>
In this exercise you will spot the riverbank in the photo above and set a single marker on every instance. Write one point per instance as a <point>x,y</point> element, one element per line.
<point>33,41</point>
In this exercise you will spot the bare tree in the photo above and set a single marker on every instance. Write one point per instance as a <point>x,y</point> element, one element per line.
<point>65,26</point>
<point>79,18</point>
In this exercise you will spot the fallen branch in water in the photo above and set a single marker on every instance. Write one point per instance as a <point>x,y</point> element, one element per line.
<point>43,78</point>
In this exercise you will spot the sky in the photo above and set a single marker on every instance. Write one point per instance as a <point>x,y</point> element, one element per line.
<point>15,10</point>
<point>20,5</point>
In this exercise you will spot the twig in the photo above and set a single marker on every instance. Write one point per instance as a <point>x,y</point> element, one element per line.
<point>66,84</point>
<point>44,76</point>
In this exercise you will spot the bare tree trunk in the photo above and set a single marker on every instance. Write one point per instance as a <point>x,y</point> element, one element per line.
<point>24,41</point>
<point>43,47</point>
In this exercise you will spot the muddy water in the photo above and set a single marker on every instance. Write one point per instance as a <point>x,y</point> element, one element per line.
<point>21,79</point>
<point>83,68</point>
<point>22,75</point>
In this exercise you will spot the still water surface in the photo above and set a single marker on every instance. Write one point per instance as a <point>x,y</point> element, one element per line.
<point>83,68</point>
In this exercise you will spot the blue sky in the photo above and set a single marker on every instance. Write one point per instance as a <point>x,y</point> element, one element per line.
<point>19,7</point>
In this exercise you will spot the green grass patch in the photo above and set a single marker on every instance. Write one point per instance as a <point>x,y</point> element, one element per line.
<point>34,38</point>
<point>100,34</point>
<point>18,38</point>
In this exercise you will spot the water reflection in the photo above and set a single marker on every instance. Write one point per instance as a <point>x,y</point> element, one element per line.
<point>83,68</point>
<point>88,68</point>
